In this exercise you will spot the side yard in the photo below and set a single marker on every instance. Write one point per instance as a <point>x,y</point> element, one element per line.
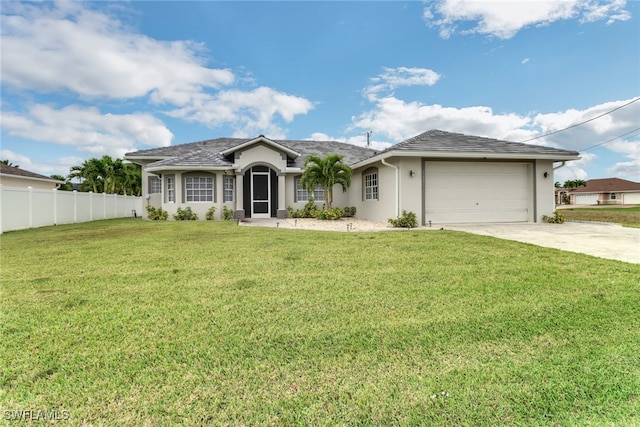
<point>627,216</point>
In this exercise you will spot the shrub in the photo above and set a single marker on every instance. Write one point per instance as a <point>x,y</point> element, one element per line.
<point>406,220</point>
<point>309,210</point>
<point>211,214</point>
<point>156,214</point>
<point>185,215</point>
<point>557,218</point>
<point>349,211</point>
<point>332,214</point>
<point>227,213</point>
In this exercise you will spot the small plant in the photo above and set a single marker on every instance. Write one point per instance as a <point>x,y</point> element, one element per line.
<point>309,210</point>
<point>227,213</point>
<point>557,218</point>
<point>156,214</point>
<point>185,215</point>
<point>331,214</point>
<point>211,214</point>
<point>349,211</point>
<point>406,220</point>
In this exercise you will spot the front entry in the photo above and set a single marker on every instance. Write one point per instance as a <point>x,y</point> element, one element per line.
<point>260,192</point>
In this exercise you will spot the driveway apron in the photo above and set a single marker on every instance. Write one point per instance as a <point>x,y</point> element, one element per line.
<point>609,241</point>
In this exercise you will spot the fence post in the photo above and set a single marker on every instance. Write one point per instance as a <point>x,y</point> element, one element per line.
<point>30,206</point>
<point>90,205</point>
<point>55,206</point>
<point>75,206</point>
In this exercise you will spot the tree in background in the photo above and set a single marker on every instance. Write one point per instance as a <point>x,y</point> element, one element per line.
<point>8,163</point>
<point>327,172</point>
<point>67,186</point>
<point>106,175</point>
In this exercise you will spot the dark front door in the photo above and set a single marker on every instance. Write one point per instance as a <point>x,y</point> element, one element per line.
<point>260,192</point>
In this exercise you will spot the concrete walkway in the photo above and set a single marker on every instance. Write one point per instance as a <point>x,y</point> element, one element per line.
<point>609,241</point>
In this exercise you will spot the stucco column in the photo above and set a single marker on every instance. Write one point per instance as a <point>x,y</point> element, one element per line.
<point>238,213</point>
<point>282,197</point>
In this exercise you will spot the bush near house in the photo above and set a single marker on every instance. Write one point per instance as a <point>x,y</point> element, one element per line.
<point>186,214</point>
<point>156,214</point>
<point>406,220</point>
<point>557,218</point>
<point>211,214</point>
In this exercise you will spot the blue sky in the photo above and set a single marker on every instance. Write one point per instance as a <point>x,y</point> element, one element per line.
<point>82,80</point>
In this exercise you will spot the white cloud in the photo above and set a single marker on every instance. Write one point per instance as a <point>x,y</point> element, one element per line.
<point>89,57</point>
<point>398,120</point>
<point>503,19</point>
<point>88,129</point>
<point>55,47</point>
<point>60,166</point>
<point>393,78</point>
<point>248,112</point>
<point>524,61</point>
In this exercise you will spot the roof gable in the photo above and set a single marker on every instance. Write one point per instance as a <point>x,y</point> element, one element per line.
<point>262,140</point>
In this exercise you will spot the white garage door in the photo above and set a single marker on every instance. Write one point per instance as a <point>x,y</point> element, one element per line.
<point>461,192</point>
<point>631,199</point>
<point>586,199</point>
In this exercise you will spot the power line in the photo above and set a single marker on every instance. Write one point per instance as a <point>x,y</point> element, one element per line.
<point>582,123</point>
<point>612,139</point>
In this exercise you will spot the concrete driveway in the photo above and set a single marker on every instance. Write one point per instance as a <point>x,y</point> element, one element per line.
<point>610,241</point>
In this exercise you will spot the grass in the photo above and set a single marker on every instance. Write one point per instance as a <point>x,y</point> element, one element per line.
<point>627,216</point>
<point>129,322</point>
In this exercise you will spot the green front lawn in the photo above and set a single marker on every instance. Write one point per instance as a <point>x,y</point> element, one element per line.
<point>627,216</point>
<point>131,322</point>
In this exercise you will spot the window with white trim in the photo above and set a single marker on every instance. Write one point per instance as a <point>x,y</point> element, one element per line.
<point>613,196</point>
<point>229,184</point>
<point>171,188</point>
<point>302,195</point>
<point>198,188</point>
<point>370,183</point>
<point>155,185</point>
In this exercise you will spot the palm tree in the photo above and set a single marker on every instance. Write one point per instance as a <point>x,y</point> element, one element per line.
<point>90,173</point>
<point>326,172</point>
<point>67,186</point>
<point>8,163</point>
<point>131,179</point>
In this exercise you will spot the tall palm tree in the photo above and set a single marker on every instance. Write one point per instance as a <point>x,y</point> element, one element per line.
<point>326,172</point>
<point>112,173</point>
<point>131,180</point>
<point>90,173</point>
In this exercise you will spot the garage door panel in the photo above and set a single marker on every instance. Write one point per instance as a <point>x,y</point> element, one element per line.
<point>477,192</point>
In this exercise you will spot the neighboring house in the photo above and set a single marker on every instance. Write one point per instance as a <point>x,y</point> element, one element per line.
<point>443,177</point>
<point>607,191</point>
<point>560,194</point>
<point>11,176</point>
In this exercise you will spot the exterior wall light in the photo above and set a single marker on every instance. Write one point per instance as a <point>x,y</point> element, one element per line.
<point>411,173</point>
<point>546,174</point>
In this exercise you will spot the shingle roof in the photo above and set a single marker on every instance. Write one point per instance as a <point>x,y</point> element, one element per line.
<point>207,153</point>
<point>441,141</point>
<point>607,185</point>
<point>14,171</point>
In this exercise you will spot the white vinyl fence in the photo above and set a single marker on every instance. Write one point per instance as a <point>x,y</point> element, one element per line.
<point>22,208</point>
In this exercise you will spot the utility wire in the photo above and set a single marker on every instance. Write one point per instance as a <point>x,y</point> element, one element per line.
<point>581,123</point>
<point>612,139</point>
